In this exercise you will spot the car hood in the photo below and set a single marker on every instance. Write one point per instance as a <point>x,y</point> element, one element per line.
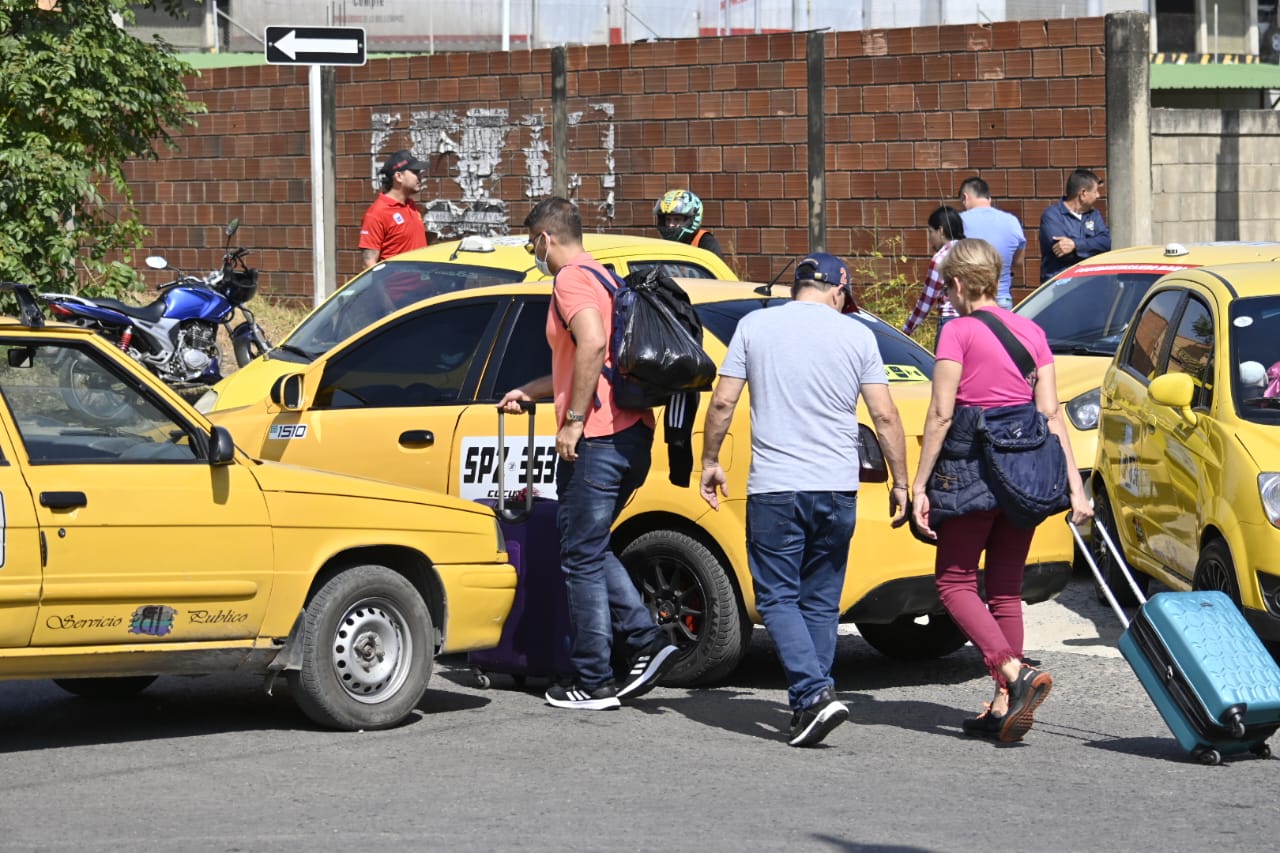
<point>295,479</point>
<point>251,383</point>
<point>1076,374</point>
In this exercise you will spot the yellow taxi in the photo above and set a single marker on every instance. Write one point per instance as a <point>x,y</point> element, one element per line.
<point>1188,466</point>
<point>474,261</point>
<point>147,544</point>
<point>411,399</point>
<point>1085,311</point>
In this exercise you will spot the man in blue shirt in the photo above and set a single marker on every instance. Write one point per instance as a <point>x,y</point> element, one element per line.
<point>1000,228</point>
<point>1071,230</point>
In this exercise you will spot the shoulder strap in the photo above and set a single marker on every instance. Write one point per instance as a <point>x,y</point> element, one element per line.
<point>611,287</point>
<point>1021,358</point>
<point>697,238</point>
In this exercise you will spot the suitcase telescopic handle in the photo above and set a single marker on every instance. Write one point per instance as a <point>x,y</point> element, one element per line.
<point>1103,585</point>
<point>530,408</point>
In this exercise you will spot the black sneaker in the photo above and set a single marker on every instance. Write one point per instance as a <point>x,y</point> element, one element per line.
<point>810,726</point>
<point>649,665</point>
<point>1026,692</point>
<point>986,724</point>
<point>603,698</point>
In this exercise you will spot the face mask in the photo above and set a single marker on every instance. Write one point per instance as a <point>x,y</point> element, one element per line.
<point>541,263</point>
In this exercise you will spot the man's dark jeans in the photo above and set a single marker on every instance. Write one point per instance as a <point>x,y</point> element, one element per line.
<point>798,548</point>
<point>602,599</point>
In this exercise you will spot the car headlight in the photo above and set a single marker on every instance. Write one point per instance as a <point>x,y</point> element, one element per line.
<point>207,401</point>
<point>1269,489</point>
<point>1084,409</point>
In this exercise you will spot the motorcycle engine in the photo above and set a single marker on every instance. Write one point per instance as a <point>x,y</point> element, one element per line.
<point>197,348</point>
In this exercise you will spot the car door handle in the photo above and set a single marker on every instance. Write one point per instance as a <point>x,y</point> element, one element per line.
<point>417,436</point>
<point>63,500</point>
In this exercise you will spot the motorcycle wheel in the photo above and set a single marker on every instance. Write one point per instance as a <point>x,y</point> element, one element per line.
<point>249,341</point>
<point>87,396</point>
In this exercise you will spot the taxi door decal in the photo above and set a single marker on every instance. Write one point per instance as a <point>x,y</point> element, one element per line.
<point>478,477</point>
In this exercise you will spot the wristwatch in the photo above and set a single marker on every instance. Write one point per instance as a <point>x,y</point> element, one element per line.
<point>573,417</point>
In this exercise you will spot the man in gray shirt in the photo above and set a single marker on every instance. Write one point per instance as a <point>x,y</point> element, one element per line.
<point>806,365</point>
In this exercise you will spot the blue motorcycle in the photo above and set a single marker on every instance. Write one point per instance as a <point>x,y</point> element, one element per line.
<point>175,336</point>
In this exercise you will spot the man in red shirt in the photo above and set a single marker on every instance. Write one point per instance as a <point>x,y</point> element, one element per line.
<point>393,224</point>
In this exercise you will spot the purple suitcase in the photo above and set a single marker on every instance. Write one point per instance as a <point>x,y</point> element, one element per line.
<point>535,637</point>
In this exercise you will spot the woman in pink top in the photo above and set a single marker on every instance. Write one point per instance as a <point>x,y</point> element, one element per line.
<point>975,372</point>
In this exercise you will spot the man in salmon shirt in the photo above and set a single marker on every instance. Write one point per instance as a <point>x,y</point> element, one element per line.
<point>604,455</point>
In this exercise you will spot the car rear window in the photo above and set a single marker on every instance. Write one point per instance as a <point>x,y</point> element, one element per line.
<point>904,359</point>
<point>385,288</point>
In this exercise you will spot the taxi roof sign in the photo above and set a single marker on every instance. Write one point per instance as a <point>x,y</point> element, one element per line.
<point>315,45</point>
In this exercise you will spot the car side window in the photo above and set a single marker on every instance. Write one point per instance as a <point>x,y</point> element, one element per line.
<point>424,359</point>
<point>1150,332</point>
<point>71,406</point>
<point>675,269</point>
<point>1191,351</point>
<point>526,355</point>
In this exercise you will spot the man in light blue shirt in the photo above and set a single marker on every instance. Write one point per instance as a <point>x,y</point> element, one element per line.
<point>1000,228</point>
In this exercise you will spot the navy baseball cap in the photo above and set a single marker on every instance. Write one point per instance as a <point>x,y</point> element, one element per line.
<point>402,161</point>
<point>828,269</point>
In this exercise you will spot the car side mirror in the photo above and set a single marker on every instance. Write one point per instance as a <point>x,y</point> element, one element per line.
<point>21,356</point>
<point>286,392</point>
<point>1175,390</point>
<point>871,464</point>
<point>222,449</point>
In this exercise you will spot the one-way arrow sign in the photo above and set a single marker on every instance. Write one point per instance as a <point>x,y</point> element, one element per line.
<point>315,45</point>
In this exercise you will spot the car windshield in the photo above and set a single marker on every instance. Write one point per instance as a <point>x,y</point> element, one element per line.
<point>904,359</point>
<point>379,291</point>
<point>1086,314</point>
<point>1255,347</point>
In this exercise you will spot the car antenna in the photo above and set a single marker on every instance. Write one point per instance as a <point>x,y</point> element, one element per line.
<point>763,289</point>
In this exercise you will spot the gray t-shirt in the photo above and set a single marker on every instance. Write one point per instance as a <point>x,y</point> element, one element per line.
<point>804,364</point>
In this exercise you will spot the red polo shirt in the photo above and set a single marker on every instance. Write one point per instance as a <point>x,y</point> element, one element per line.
<point>391,227</point>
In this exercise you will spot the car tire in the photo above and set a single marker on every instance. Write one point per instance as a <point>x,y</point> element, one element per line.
<point>367,650</point>
<point>905,638</point>
<point>688,591</point>
<point>106,688</point>
<point>1106,561</point>
<point>1216,570</point>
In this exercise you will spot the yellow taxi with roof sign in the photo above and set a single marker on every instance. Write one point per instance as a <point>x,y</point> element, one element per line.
<point>411,399</point>
<point>1187,475</point>
<point>144,543</point>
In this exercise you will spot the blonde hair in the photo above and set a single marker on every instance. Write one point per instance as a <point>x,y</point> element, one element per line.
<point>977,264</point>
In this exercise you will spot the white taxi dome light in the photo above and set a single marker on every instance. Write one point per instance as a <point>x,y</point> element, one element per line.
<point>476,243</point>
<point>1176,250</point>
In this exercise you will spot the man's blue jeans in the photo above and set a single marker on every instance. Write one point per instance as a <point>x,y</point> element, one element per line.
<point>798,548</point>
<point>602,599</point>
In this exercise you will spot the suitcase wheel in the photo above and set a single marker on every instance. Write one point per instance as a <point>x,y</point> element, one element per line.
<point>1210,757</point>
<point>1262,750</point>
<point>482,679</point>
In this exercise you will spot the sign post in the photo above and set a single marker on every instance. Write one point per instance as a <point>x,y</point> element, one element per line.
<point>316,46</point>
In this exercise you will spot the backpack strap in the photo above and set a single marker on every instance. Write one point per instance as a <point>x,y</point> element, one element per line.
<point>697,237</point>
<point>611,287</point>
<point>1021,358</point>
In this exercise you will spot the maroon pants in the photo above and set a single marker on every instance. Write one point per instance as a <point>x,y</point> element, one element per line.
<point>993,626</point>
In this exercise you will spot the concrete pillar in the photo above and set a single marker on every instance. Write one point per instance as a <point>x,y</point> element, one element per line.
<point>1128,187</point>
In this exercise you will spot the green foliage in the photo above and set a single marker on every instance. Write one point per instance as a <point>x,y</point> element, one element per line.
<point>79,97</point>
<point>887,292</point>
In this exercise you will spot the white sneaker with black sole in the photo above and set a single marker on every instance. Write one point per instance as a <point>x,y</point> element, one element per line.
<point>647,667</point>
<point>603,698</point>
<point>810,726</point>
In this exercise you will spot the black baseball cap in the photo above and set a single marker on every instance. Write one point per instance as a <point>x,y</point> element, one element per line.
<point>402,161</point>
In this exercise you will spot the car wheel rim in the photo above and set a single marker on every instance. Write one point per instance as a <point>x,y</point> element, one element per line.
<point>675,597</point>
<point>1213,576</point>
<point>372,650</point>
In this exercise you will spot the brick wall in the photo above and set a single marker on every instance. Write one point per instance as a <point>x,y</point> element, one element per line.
<point>909,114</point>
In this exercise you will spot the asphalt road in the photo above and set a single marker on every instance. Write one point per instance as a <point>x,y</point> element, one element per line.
<point>215,764</point>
